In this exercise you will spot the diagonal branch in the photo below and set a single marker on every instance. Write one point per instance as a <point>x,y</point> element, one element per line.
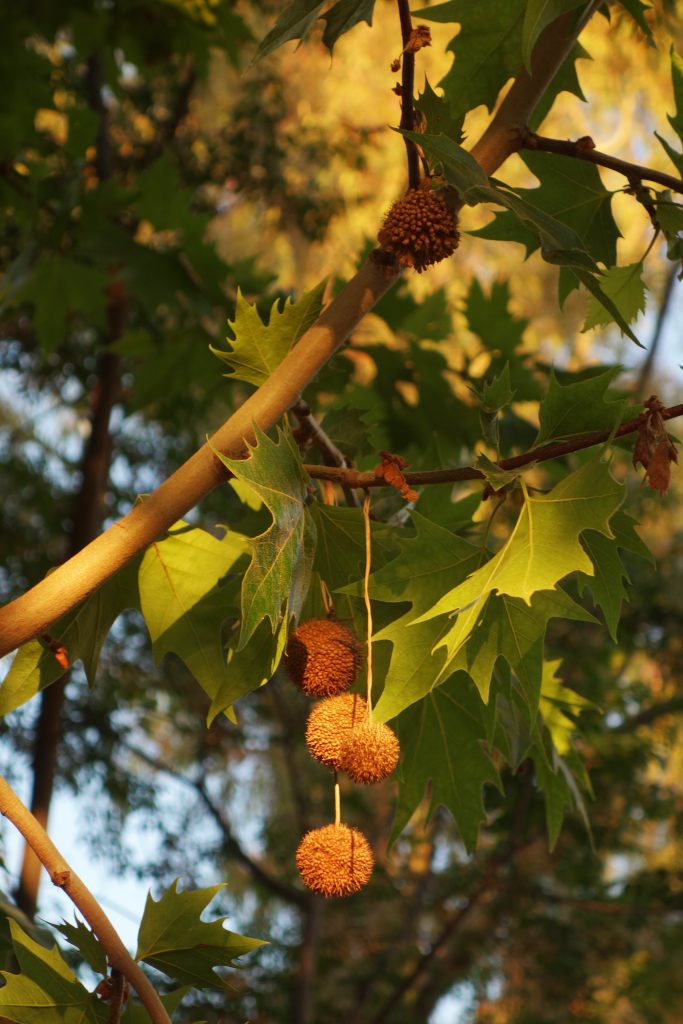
<point>584,149</point>
<point>58,593</point>
<point>66,879</point>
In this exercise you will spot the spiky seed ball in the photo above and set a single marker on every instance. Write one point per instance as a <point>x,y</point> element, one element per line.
<point>369,752</point>
<point>420,229</point>
<point>335,860</point>
<point>322,657</point>
<point>330,722</point>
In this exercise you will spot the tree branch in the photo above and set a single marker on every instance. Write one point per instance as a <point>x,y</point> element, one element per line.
<point>407,90</point>
<point>310,429</point>
<point>367,478</point>
<point>63,877</point>
<point>584,149</point>
<point>68,584</point>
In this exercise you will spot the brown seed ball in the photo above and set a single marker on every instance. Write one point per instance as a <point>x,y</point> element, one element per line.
<point>370,752</point>
<point>322,657</point>
<point>420,229</point>
<point>330,722</point>
<point>334,860</point>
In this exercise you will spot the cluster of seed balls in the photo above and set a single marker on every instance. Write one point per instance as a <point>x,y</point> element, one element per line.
<point>323,658</point>
<point>420,229</point>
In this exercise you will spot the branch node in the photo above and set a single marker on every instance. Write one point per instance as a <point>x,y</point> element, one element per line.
<point>61,878</point>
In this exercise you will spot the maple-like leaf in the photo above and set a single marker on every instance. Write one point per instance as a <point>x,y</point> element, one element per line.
<point>579,407</point>
<point>46,991</point>
<point>81,633</point>
<point>174,939</point>
<point>442,741</point>
<point>80,936</point>
<point>184,599</point>
<point>510,628</point>
<point>539,14</point>
<point>258,348</point>
<point>542,549</point>
<point>626,289</point>
<point>343,16</point>
<point>559,706</point>
<point>488,49</point>
<point>606,582</point>
<point>675,120</point>
<point>276,582</point>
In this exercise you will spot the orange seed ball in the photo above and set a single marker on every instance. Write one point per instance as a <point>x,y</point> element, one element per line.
<point>322,657</point>
<point>369,752</point>
<point>329,723</point>
<point>420,229</point>
<point>335,860</point>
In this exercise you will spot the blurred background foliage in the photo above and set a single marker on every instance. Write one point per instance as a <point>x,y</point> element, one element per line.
<point>146,172</point>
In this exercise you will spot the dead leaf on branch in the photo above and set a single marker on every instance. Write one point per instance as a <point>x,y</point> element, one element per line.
<point>391,469</point>
<point>654,449</point>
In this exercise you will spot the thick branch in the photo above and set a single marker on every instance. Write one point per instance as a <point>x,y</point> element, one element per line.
<point>584,149</point>
<point>34,611</point>
<point>367,478</point>
<point>63,877</point>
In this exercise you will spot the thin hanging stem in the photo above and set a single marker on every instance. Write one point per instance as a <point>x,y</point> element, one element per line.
<point>366,594</point>
<point>337,801</point>
<point>327,598</point>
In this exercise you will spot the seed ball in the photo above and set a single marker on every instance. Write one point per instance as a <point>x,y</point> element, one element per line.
<point>369,752</point>
<point>329,723</point>
<point>335,860</point>
<point>420,229</point>
<point>322,657</point>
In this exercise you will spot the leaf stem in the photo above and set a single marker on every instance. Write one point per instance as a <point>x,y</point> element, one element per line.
<point>64,878</point>
<point>366,595</point>
<point>337,801</point>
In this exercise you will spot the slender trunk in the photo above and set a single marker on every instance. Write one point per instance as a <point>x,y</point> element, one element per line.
<point>88,516</point>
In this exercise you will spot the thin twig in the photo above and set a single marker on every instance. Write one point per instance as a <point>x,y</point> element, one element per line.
<point>310,429</point>
<point>367,478</point>
<point>65,878</point>
<point>584,149</point>
<point>407,90</point>
<point>648,362</point>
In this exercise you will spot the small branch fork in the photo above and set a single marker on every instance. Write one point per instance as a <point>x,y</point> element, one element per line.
<point>64,878</point>
<point>584,149</point>
<point>365,479</point>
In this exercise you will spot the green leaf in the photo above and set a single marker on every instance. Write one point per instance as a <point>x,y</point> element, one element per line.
<point>459,167</point>
<point>558,703</point>
<point>46,991</point>
<point>625,287</point>
<point>606,581</point>
<point>81,632</point>
<point>428,564</point>
<point>277,580</point>
<point>442,740</point>
<point>493,474</point>
<point>80,936</point>
<point>248,668</point>
<point>184,600</point>
<point>487,49</point>
<point>174,939</point>
<point>343,16</point>
<point>510,628</point>
<point>542,549</point>
<point>571,191</point>
<point>591,283</point>
<point>293,23</point>
<point>670,220</point>
<point>498,393</point>
<point>676,119</point>
<point>438,114</point>
<point>566,80</point>
<point>61,287</point>
<point>488,317</point>
<point>579,408</point>
<point>257,348</point>
<point>539,14</point>
<point>555,777</point>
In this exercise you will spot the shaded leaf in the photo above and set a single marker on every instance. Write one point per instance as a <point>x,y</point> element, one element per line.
<point>343,16</point>
<point>438,114</point>
<point>579,407</point>
<point>625,287</point>
<point>174,939</point>
<point>538,15</point>
<point>293,23</point>
<point>277,580</point>
<point>80,936</point>
<point>442,741</point>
